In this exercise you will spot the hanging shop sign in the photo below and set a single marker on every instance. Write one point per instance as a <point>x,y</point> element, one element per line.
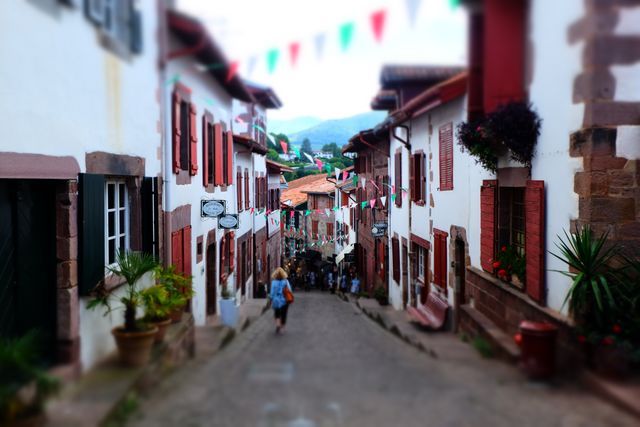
<point>379,229</point>
<point>228,221</point>
<point>212,208</point>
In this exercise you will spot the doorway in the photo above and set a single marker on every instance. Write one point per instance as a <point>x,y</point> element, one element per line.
<point>212,295</point>
<point>405,275</point>
<point>460,270</point>
<point>28,262</point>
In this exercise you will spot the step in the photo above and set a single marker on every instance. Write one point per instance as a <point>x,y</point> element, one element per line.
<point>502,343</point>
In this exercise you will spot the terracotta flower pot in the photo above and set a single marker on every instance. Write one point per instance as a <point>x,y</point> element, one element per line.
<point>134,348</point>
<point>176,315</point>
<point>162,325</point>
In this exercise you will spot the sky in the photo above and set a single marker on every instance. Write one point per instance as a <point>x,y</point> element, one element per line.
<point>339,83</point>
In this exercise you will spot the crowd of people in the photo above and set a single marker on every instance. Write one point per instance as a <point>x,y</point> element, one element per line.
<point>325,278</point>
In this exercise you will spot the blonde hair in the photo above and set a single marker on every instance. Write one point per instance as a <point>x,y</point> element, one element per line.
<point>279,274</point>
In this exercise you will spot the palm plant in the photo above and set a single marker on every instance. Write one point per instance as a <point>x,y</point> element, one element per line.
<point>595,283</point>
<point>131,266</point>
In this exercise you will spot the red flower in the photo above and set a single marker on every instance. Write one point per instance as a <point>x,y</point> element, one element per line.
<point>496,264</point>
<point>502,273</point>
<point>582,339</point>
<point>616,329</point>
<point>503,249</point>
<point>607,340</point>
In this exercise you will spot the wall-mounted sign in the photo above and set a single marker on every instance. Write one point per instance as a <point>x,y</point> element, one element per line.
<point>228,221</point>
<point>378,229</point>
<point>212,208</point>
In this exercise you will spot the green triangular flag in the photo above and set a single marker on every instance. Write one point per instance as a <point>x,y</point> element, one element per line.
<point>272,60</point>
<point>307,213</point>
<point>363,204</point>
<point>355,180</point>
<point>393,198</point>
<point>453,4</point>
<point>297,151</point>
<point>335,208</point>
<point>346,34</point>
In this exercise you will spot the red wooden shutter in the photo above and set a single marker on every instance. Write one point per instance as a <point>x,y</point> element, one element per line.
<point>423,177</point>
<point>446,157</point>
<point>239,188</point>
<point>193,136</point>
<point>177,251</point>
<point>395,248</point>
<point>232,249</point>
<point>256,192</point>
<point>218,141</point>
<point>176,131</point>
<point>222,268</point>
<point>440,259</point>
<point>398,179</point>
<point>246,188</point>
<point>330,229</point>
<point>488,193</point>
<point>229,158</point>
<point>205,150</point>
<point>412,179</point>
<point>534,240</point>
<point>186,248</point>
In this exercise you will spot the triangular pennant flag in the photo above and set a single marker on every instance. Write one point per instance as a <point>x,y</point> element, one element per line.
<point>393,189</point>
<point>270,139</point>
<point>319,164</point>
<point>377,23</point>
<point>346,34</point>
<point>383,201</point>
<point>453,4</point>
<point>363,204</point>
<point>252,209</point>
<point>327,211</point>
<point>251,64</point>
<point>372,202</point>
<point>412,9</point>
<point>297,151</point>
<point>337,173</point>
<point>294,51</point>
<point>393,198</point>
<point>259,128</point>
<point>309,157</point>
<point>291,214</point>
<point>355,180</point>
<point>284,147</point>
<point>364,182</point>
<point>272,60</point>
<point>335,208</point>
<point>319,40</point>
<point>327,167</point>
<point>345,175</point>
<point>233,70</point>
<point>307,213</point>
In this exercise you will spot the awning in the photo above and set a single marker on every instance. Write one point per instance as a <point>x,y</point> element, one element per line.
<point>345,251</point>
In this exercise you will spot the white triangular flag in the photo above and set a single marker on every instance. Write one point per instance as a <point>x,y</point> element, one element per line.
<point>412,9</point>
<point>337,174</point>
<point>363,181</point>
<point>383,201</point>
<point>327,211</point>
<point>309,157</point>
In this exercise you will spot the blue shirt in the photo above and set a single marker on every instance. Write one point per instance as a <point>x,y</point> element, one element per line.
<point>276,294</point>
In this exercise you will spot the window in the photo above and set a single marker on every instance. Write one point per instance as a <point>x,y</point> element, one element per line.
<point>227,167</point>
<point>314,228</point>
<point>181,250</point>
<point>446,157</point>
<point>246,188</point>
<point>116,220</point>
<point>239,188</point>
<point>330,229</point>
<point>398,177</point>
<point>209,136</point>
<point>418,178</point>
<point>421,255</point>
<point>184,138</point>
<point>395,248</point>
<point>440,259</point>
<point>119,21</point>
<point>227,253</point>
<point>511,224</point>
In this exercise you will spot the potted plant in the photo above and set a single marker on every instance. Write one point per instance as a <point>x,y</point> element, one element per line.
<point>510,266</point>
<point>135,338</point>
<point>24,384</point>
<point>179,289</point>
<point>228,309</point>
<point>158,307</point>
<point>380,294</point>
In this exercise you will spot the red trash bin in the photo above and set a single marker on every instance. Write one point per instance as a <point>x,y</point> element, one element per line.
<point>538,349</point>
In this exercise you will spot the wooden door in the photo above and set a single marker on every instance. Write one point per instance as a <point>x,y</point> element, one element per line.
<point>211,278</point>
<point>405,275</point>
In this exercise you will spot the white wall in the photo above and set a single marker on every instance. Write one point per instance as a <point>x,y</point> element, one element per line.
<point>206,94</point>
<point>555,66</point>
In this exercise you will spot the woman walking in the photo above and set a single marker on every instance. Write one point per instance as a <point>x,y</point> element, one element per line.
<point>278,300</point>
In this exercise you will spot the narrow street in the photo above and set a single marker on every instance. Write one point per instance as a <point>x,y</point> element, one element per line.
<point>333,366</point>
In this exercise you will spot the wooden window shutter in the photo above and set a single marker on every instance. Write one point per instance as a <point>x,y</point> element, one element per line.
<point>395,248</point>
<point>412,179</point>
<point>488,193</point>
<point>193,140</point>
<point>91,231</point>
<point>232,249</point>
<point>229,158</point>
<point>149,215</point>
<point>445,148</point>
<point>205,150</point>
<point>256,192</point>
<point>186,248</point>
<point>177,133</point>
<point>423,177</point>
<point>218,141</point>
<point>534,240</point>
<point>239,188</point>
<point>223,259</point>
<point>398,179</point>
<point>440,259</point>
<point>177,252</point>
<point>246,188</point>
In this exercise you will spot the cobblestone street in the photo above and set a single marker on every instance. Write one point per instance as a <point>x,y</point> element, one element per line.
<point>335,367</point>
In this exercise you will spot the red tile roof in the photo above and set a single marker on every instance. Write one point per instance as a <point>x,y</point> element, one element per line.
<point>299,188</point>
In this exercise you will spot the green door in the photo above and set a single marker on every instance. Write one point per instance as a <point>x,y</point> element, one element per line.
<point>28,261</point>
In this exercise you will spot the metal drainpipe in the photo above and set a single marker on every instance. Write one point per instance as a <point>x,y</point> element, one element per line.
<point>165,166</point>
<point>407,145</point>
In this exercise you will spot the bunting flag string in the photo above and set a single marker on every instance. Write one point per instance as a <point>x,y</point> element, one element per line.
<point>372,202</point>
<point>345,175</point>
<point>233,70</point>
<point>319,40</point>
<point>346,35</point>
<point>337,173</point>
<point>272,60</point>
<point>377,23</point>
<point>251,64</point>
<point>383,201</point>
<point>294,51</point>
<point>412,10</point>
<point>284,146</point>
<point>309,157</point>
<point>319,164</point>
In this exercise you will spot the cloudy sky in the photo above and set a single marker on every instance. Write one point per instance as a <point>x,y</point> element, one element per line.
<point>338,83</point>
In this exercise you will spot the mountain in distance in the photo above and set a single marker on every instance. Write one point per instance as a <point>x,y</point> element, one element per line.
<point>292,126</point>
<point>337,130</point>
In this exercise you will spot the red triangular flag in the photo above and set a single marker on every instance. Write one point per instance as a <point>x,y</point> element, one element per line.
<point>233,69</point>
<point>284,148</point>
<point>377,23</point>
<point>294,50</point>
